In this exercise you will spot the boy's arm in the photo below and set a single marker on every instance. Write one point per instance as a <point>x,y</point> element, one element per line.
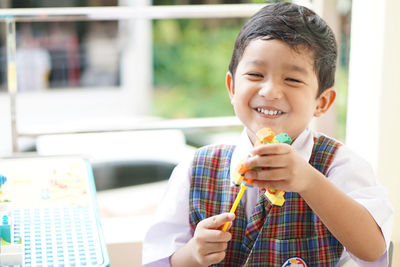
<point>170,232</point>
<point>347,220</point>
<point>169,228</point>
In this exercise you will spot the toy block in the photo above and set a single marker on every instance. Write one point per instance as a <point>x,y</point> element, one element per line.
<point>242,168</point>
<point>265,135</point>
<point>275,198</point>
<point>283,138</point>
<point>237,178</point>
<point>280,193</point>
<point>275,141</point>
<point>248,182</point>
<point>258,143</point>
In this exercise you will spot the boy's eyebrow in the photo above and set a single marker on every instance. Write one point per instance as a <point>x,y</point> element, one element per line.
<point>255,62</point>
<point>296,68</point>
<point>288,67</point>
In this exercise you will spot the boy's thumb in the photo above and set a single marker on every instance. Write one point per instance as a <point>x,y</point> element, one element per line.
<point>230,216</point>
<point>220,219</point>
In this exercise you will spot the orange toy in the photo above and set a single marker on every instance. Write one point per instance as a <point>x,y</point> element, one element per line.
<point>276,197</point>
<point>266,135</point>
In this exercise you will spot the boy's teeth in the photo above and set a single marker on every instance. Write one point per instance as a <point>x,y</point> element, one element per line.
<point>269,112</point>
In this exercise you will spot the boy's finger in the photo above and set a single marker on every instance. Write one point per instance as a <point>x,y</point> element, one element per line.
<point>267,161</point>
<point>214,258</point>
<point>213,247</point>
<point>271,174</point>
<point>278,148</point>
<point>215,236</point>
<point>216,221</point>
<point>269,185</point>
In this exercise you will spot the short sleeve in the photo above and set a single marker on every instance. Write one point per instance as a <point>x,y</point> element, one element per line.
<point>355,177</point>
<point>170,229</point>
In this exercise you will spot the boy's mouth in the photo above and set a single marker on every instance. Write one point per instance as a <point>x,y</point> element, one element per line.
<point>270,112</point>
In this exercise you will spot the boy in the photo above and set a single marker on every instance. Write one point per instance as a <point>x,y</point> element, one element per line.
<point>280,76</point>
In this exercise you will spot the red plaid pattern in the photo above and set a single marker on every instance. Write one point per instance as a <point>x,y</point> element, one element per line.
<point>273,234</point>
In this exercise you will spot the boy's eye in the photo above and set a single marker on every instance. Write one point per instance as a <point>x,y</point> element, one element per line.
<point>256,75</point>
<point>293,80</point>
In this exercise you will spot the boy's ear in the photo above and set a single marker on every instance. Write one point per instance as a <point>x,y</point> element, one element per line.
<point>325,101</point>
<point>229,84</point>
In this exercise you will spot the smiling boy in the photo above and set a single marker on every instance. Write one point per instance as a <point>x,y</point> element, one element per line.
<point>281,76</point>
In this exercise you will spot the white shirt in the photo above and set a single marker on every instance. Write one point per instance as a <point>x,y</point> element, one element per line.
<point>171,228</point>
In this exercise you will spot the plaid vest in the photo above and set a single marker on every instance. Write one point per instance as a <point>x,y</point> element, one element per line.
<point>272,235</point>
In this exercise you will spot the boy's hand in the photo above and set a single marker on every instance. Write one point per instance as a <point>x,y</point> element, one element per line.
<point>282,168</point>
<point>209,242</point>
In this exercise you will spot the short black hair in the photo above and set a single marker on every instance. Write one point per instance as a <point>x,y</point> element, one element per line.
<point>298,27</point>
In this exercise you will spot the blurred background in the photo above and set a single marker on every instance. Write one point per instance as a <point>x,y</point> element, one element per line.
<point>182,69</point>
<point>83,83</point>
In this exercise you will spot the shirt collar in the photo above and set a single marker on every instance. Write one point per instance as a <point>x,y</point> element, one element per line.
<point>303,145</point>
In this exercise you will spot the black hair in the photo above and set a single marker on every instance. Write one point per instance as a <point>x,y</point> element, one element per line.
<point>298,27</point>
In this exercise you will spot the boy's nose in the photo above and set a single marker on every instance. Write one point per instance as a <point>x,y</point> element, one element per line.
<point>270,90</point>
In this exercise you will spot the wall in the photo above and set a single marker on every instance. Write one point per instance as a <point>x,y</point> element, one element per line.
<point>389,116</point>
<point>374,95</point>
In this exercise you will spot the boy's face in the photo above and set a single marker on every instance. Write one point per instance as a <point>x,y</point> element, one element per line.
<point>276,87</point>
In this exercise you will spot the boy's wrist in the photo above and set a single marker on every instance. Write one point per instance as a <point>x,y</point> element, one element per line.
<point>315,180</point>
<point>185,256</point>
